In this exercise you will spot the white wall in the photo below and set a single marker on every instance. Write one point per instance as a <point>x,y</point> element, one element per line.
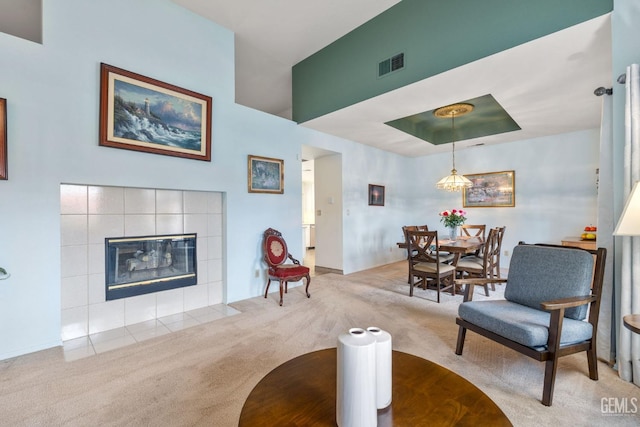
<point>329,211</point>
<point>625,51</point>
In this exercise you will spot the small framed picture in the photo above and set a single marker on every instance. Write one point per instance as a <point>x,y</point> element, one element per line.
<point>491,190</point>
<point>142,114</point>
<point>376,195</point>
<point>266,175</point>
<point>3,138</point>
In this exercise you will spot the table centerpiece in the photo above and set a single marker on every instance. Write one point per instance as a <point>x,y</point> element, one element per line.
<point>452,220</point>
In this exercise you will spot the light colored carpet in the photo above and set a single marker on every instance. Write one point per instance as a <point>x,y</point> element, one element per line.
<point>202,375</point>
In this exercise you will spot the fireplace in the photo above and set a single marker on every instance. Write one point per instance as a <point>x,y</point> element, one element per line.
<point>142,265</point>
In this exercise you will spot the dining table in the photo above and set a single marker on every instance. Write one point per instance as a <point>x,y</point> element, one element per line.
<point>462,245</point>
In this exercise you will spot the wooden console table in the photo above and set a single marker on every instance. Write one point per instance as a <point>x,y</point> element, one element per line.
<point>579,243</point>
<point>302,392</point>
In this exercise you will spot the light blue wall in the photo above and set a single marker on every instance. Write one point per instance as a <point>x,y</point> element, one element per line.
<point>370,233</point>
<point>52,91</point>
<point>555,180</point>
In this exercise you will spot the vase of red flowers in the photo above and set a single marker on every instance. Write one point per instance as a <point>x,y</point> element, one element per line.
<point>452,220</point>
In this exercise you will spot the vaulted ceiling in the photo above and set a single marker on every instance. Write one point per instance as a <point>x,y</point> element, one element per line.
<point>546,85</point>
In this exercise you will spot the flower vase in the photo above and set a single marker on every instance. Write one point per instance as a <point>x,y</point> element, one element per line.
<point>453,233</point>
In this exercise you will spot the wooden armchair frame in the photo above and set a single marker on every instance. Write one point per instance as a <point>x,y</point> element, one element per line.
<point>553,350</point>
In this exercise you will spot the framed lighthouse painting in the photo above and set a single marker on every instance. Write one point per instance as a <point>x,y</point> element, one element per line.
<point>143,114</point>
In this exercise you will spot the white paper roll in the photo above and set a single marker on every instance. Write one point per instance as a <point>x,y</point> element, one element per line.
<point>383,366</point>
<point>356,381</point>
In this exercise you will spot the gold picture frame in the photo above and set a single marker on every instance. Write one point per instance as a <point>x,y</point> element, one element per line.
<point>491,190</point>
<point>265,175</point>
<point>3,139</point>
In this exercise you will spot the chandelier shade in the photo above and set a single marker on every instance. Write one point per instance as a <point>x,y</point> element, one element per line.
<point>453,182</point>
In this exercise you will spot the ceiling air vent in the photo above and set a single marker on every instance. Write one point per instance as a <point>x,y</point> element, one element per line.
<point>389,65</point>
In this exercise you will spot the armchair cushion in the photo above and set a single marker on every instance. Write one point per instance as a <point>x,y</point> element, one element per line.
<point>538,274</point>
<point>520,323</point>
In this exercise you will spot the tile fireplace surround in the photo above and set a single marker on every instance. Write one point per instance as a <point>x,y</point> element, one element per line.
<point>89,214</point>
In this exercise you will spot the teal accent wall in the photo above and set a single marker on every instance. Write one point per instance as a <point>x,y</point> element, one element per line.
<point>435,36</point>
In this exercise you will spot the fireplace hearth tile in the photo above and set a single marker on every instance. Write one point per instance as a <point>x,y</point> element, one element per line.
<point>72,352</point>
<point>227,310</point>
<point>104,346</point>
<point>185,323</point>
<point>147,334</point>
<point>82,347</point>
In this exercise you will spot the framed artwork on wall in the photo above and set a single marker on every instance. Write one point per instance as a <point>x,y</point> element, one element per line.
<point>490,190</point>
<point>3,139</point>
<point>376,195</point>
<point>142,114</point>
<point>266,175</point>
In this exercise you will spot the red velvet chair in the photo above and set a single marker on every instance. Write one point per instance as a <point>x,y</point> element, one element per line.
<point>275,255</point>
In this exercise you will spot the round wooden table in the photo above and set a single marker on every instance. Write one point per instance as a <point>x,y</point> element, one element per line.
<point>632,322</point>
<point>302,392</point>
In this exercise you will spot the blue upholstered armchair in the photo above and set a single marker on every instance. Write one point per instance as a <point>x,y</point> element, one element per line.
<point>550,307</point>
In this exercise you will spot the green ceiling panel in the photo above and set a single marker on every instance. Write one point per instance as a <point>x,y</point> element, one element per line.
<point>487,118</point>
<point>435,36</point>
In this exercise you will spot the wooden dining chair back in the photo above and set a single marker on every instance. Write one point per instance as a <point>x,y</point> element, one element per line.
<point>481,266</point>
<point>276,256</point>
<point>406,239</point>
<point>424,262</point>
<point>473,230</point>
<point>550,307</point>
<point>496,260</point>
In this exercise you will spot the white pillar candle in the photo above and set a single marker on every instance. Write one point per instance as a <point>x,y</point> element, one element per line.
<point>356,379</point>
<point>383,366</point>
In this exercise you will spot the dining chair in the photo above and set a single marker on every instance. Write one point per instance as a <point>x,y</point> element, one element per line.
<point>406,228</point>
<point>499,251</point>
<point>276,256</point>
<point>424,262</point>
<point>474,230</point>
<point>404,233</point>
<point>481,266</point>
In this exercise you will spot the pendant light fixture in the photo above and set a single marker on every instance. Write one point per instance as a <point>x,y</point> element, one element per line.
<point>453,182</point>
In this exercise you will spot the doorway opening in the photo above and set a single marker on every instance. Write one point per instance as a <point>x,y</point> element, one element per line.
<point>322,209</point>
